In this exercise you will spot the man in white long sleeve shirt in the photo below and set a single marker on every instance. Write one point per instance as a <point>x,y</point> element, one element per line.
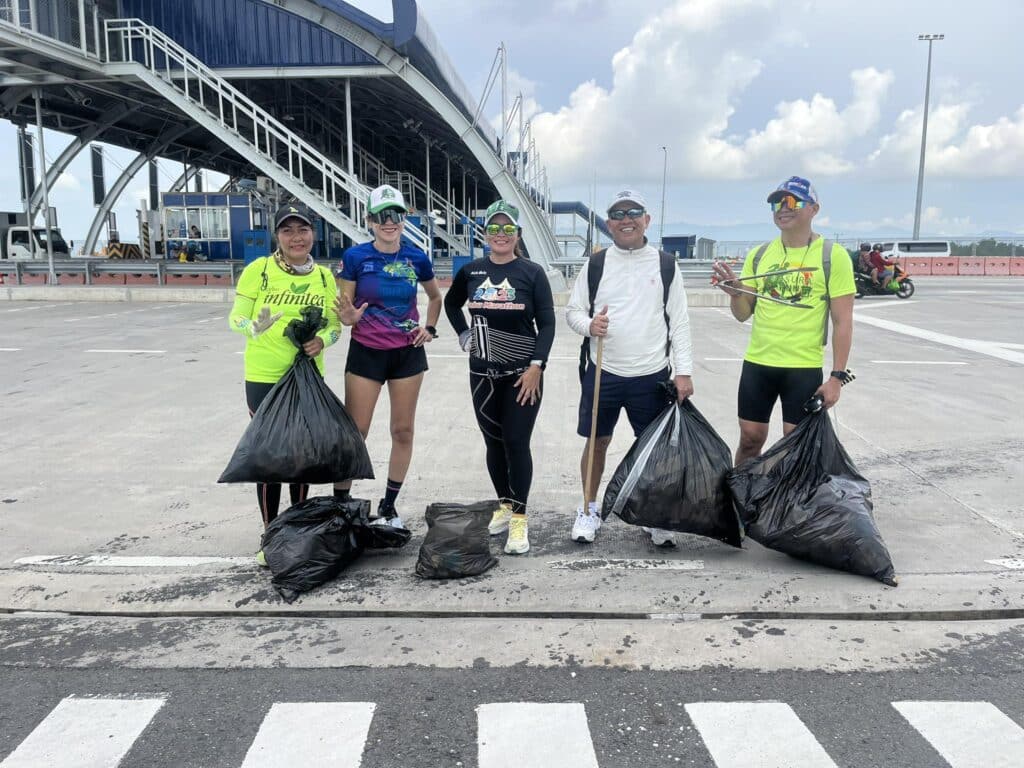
<point>630,310</point>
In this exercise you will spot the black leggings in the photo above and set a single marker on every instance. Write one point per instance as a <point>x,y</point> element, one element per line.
<point>506,426</point>
<point>268,495</point>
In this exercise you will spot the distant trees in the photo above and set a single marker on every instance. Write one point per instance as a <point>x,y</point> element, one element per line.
<point>987,247</point>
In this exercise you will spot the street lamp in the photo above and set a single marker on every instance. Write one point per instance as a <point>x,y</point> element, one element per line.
<point>924,133</point>
<point>661,219</point>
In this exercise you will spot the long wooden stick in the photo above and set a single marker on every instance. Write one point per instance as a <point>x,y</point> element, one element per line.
<point>593,423</point>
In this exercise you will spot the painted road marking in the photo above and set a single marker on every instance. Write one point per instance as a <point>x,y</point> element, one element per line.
<point>621,564</point>
<point>518,734</point>
<point>32,309</point>
<point>919,362</point>
<point>990,348</point>
<point>968,734</point>
<point>10,349</point>
<point>124,561</point>
<point>724,359</point>
<point>328,734</point>
<point>85,733</point>
<point>1014,563</point>
<point>757,735</point>
<point>129,351</point>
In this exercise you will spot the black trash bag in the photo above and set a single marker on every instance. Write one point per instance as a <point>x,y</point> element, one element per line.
<point>301,433</point>
<point>312,542</point>
<point>457,543</point>
<point>673,477</point>
<point>806,498</point>
<point>302,330</point>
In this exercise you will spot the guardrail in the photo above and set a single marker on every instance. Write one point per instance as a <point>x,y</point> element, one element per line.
<point>215,273</point>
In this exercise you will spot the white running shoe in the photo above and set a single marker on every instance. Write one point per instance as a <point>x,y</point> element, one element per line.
<point>518,542</point>
<point>500,518</point>
<point>586,526</point>
<point>660,537</point>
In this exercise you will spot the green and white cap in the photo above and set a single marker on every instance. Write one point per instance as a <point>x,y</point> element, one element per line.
<point>385,196</point>
<point>500,206</point>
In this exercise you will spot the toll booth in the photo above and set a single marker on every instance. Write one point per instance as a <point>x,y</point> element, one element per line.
<point>680,246</point>
<point>210,226</point>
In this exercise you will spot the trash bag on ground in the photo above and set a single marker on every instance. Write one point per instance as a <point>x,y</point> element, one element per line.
<point>673,477</point>
<point>313,541</point>
<point>301,433</point>
<point>457,543</point>
<point>806,498</point>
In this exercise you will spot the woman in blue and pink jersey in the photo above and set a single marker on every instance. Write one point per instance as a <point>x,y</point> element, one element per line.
<point>378,300</point>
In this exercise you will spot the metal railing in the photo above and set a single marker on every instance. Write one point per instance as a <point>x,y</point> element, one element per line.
<point>134,40</point>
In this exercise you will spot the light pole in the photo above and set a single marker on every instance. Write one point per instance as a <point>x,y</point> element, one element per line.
<point>924,133</point>
<point>661,219</point>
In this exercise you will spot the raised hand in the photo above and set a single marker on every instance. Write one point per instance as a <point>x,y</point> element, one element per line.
<point>348,313</point>
<point>263,322</point>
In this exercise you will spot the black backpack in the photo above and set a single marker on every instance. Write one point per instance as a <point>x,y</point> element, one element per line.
<point>595,270</point>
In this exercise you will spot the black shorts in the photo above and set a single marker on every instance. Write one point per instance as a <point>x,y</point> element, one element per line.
<point>643,397</point>
<point>762,385</point>
<point>385,364</point>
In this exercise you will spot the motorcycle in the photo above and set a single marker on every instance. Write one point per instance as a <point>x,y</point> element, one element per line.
<point>899,284</point>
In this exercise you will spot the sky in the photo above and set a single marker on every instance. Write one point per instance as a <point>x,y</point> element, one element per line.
<point>741,94</point>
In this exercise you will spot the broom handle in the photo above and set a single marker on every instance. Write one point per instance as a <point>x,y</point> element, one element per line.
<point>593,421</point>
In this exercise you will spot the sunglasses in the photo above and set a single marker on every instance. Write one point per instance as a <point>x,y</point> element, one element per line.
<point>502,229</point>
<point>788,202</point>
<point>397,215</point>
<point>619,215</point>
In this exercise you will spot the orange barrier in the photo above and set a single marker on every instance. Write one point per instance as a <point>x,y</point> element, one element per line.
<point>918,266</point>
<point>945,266</point>
<point>173,279</point>
<point>66,278</point>
<point>34,279</point>
<point>1017,265</point>
<point>971,265</point>
<point>138,279</point>
<point>997,265</point>
<point>108,279</point>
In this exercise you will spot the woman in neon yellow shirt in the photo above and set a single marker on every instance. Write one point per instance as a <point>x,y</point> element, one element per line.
<point>270,293</point>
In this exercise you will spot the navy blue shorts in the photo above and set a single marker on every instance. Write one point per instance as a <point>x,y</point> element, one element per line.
<point>643,397</point>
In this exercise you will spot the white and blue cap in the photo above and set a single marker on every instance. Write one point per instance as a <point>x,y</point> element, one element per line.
<point>799,188</point>
<point>628,196</point>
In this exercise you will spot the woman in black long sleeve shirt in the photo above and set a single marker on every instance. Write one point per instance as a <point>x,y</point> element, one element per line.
<point>513,316</point>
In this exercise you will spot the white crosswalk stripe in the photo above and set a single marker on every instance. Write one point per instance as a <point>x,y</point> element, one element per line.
<point>324,734</point>
<point>521,734</point>
<point>968,734</point>
<point>760,734</point>
<point>85,733</point>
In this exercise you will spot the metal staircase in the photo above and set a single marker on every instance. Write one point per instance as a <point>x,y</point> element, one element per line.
<point>242,125</point>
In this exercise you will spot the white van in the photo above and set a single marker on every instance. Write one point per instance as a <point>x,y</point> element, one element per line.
<point>901,249</point>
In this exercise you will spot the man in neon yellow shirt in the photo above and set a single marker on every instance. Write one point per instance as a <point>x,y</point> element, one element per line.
<point>787,344</point>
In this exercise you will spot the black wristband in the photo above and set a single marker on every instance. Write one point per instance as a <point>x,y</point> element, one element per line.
<point>843,376</point>
<point>431,330</point>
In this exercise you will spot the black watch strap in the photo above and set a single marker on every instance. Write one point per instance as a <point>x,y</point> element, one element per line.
<point>431,330</point>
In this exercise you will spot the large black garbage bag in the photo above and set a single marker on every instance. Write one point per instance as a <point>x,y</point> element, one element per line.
<point>673,477</point>
<point>457,542</point>
<point>806,498</point>
<point>312,542</point>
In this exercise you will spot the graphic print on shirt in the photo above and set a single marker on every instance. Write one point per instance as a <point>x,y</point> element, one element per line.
<point>502,292</point>
<point>498,346</point>
<point>795,286</point>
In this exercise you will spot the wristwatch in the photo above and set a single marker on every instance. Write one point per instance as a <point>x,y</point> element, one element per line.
<point>431,330</point>
<point>539,363</point>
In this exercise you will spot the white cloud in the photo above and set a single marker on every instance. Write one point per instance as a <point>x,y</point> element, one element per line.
<point>933,222</point>
<point>67,181</point>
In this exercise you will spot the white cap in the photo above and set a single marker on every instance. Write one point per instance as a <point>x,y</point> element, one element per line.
<point>628,196</point>
<point>385,196</point>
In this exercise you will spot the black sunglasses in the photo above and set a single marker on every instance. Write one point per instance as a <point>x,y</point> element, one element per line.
<point>397,215</point>
<point>619,215</point>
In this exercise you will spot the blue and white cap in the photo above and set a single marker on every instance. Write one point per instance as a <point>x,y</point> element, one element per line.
<point>799,188</point>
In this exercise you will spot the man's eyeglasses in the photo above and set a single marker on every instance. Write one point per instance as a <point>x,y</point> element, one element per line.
<point>502,229</point>
<point>619,215</point>
<point>397,215</point>
<point>788,202</point>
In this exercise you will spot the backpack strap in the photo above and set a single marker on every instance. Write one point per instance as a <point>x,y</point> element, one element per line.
<point>668,274</point>
<point>826,271</point>
<point>757,256</point>
<point>595,269</point>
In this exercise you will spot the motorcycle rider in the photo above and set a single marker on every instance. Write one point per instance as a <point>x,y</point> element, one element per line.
<point>862,262</point>
<point>880,273</point>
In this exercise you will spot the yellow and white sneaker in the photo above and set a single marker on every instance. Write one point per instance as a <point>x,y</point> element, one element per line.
<point>500,518</point>
<point>518,541</point>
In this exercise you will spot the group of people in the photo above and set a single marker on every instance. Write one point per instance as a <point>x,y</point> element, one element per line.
<point>871,262</point>
<point>628,304</point>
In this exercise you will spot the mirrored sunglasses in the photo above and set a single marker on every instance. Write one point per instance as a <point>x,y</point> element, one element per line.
<point>397,215</point>
<point>788,202</point>
<point>619,215</point>
<point>504,229</point>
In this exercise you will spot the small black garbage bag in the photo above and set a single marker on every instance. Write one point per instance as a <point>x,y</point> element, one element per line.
<point>312,542</point>
<point>301,433</point>
<point>457,543</point>
<point>805,497</point>
<point>674,478</point>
